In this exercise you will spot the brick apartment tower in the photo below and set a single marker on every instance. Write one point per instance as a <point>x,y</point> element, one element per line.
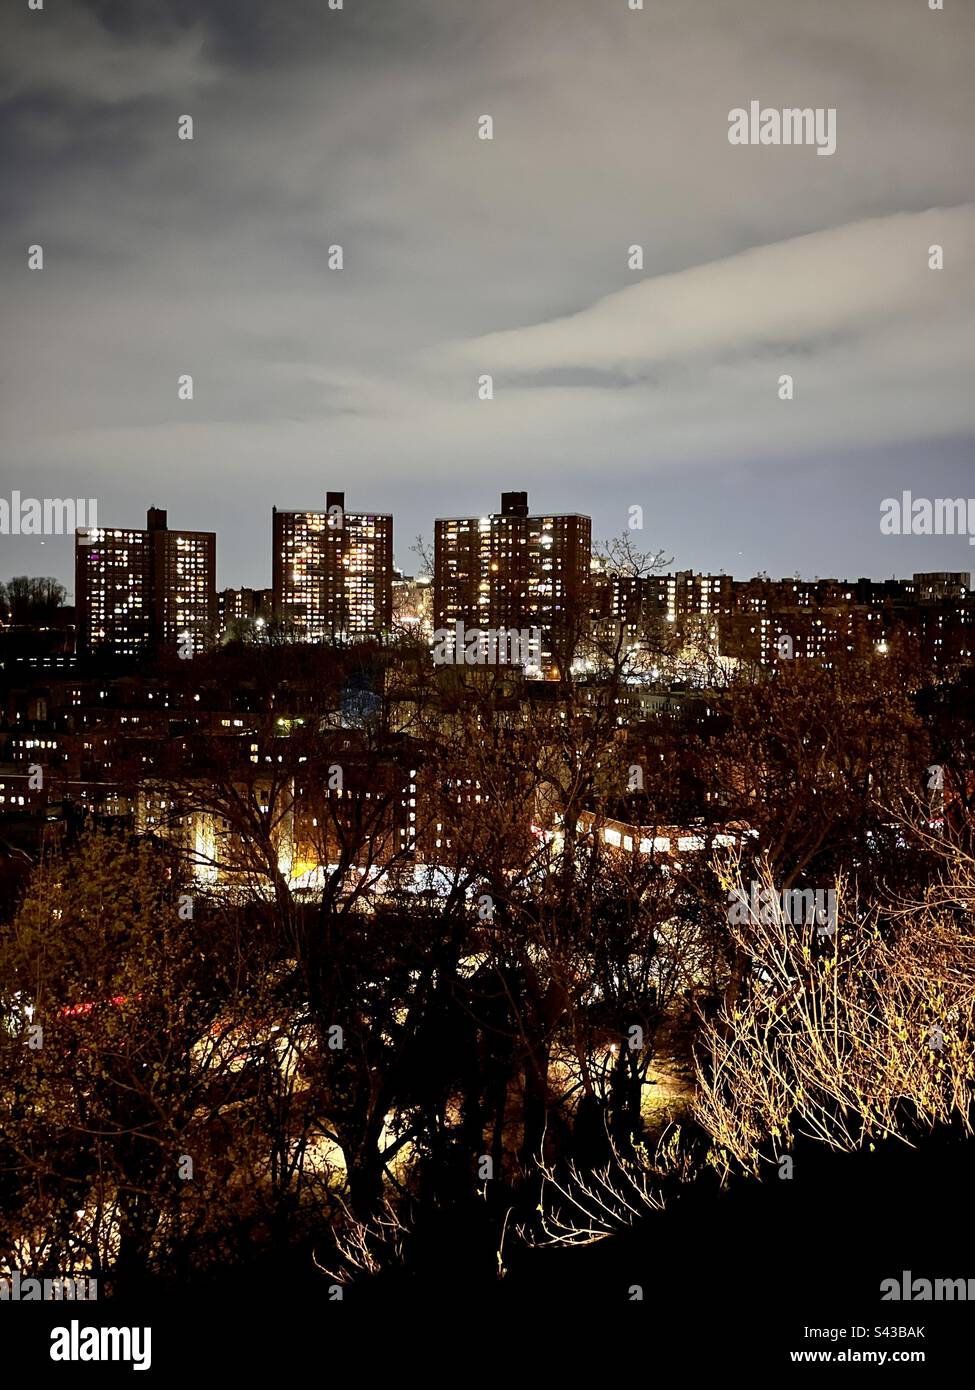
<point>332,571</point>
<point>513,570</point>
<point>139,592</point>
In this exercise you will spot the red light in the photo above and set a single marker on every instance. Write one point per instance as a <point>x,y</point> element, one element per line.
<point>79,1010</point>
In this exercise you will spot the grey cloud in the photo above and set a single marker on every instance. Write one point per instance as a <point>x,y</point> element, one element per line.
<point>314,127</point>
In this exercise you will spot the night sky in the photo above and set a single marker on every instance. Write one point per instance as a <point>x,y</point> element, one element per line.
<point>613,386</point>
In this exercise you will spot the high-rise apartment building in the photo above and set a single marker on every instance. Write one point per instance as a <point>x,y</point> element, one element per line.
<point>184,585</point>
<point>513,570</point>
<point>113,591</point>
<point>139,591</point>
<point>333,570</point>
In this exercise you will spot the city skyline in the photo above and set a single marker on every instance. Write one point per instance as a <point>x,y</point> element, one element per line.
<point>407,561</point>
<point>143,593</point>
<point>614,386</point>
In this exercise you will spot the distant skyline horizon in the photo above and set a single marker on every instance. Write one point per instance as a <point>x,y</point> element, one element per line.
<point>344,252</point>
<point>955,549</point>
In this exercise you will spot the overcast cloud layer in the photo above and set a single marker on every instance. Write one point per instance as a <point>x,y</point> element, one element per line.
<point>509,257</point>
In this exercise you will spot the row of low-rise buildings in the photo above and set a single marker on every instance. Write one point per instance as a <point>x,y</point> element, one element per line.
<point>345,759</point>
<point>763,621</point>
<point>195,762</point>
<point>241,782</point>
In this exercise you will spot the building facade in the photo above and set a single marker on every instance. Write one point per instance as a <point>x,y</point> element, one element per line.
<point>333,571</point>
<point>244,606</point>
<point>512,570</point>
<point>139,592</point>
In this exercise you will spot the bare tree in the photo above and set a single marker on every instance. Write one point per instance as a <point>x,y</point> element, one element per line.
<point>845,1037</point>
